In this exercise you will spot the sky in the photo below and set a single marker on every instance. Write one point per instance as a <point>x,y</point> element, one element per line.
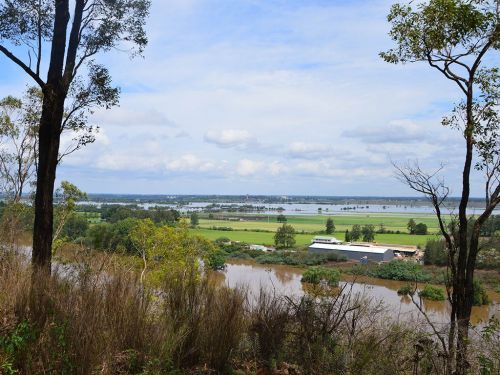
<point>282,97</point>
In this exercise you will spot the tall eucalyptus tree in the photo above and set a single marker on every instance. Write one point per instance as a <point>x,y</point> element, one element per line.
<point>56,43</point>
<point>456,37</point>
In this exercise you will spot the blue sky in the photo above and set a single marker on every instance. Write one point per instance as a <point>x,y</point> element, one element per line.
<point>264,97</point>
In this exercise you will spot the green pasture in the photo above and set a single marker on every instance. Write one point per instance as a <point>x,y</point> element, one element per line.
<point>267,238</point>
<point>393,222</point>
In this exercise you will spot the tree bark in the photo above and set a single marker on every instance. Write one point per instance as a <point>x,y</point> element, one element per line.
<point>463,289</point>
<point>52,115</point>
<point>54,95</point>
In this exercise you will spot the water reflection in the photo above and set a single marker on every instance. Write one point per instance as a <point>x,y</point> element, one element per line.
<point>285,280</point>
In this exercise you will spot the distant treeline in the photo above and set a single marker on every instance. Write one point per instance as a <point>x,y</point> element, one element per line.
<point>116,212</point>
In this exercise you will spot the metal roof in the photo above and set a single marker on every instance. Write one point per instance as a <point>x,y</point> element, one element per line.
<point>360,249</point>
<point>325,238</point>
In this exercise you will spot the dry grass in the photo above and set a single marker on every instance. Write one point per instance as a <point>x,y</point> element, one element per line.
<point>94,317</point>
<point>76,324</point>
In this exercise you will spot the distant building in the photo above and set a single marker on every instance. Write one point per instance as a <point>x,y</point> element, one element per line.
<point>325,240</point>
<point>259,247</point>
<point>405,251</point>
<point>354,252</point>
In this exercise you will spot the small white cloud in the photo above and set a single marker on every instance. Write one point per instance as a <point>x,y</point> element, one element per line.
<point>185,162</point>
<point>228,137</point>
<point>303,150</point>
<point>190,163</point>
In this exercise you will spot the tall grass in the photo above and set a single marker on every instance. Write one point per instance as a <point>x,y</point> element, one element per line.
<point>93,316</point>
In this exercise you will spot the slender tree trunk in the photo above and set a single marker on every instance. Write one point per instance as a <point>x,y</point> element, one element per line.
<point>462,288</point>
<point>451,342</point>
<point>52,114</point>
<point>54,95</point>
<point>463,308</point>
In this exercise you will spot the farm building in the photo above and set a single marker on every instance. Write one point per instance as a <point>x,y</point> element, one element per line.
<point>354,252</point>
<point>327,240</point>
<point>260,247</point>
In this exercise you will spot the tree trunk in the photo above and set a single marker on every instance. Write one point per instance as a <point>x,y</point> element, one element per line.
<point>465,294</point>
<point>49,139</point>
<point>54,95</point>
<point>462,288</point>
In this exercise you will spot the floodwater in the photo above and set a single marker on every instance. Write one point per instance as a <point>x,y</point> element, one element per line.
<point>285,280</point>
<point>305,208</point>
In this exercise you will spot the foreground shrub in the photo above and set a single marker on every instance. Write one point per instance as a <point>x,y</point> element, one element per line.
<point>76,325</point>
<point>269,321</point>
<point>433,293</point>
<point>204,323</point>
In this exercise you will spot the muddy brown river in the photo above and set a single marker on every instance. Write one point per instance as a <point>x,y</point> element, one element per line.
<point>285,280</point>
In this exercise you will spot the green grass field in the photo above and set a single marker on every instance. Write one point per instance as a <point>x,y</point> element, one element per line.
<point>266,238</point>
<point>247,230</point>
<point>393,222</point>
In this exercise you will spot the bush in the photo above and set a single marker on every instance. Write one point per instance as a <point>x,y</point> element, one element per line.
<point>75,227</point>
<point>269,321</point>
<point>232,246</point>
<point>433,293</point>
<point>217,260</point>
<point>489,257</point>
<point>226,229</point>
<point>221,241</point>
<point>334,257</point>
<point>480,295</point>
<point>406,290</point>
<point>301,258</point>
<point>317,275</point>
<point>421,229</point>
<point>112,237</point>
<point>285,237</point>
<point>239,255</point>
<point>435,253</point>
<point>400,270</point>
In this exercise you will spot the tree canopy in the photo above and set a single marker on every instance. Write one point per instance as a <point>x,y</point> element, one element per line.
<point>285,237</point>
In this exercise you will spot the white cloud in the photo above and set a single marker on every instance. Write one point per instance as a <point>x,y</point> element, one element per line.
<point>248,167</point>
<point>309,150</point>
<point>190,163</point>
<point>396,131</point>
<point>285,90</point>
<point>228,137</point>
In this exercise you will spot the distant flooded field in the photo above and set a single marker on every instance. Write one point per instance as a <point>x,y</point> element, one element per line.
<point>297,208</point>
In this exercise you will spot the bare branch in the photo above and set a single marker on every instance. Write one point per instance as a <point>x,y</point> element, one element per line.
<point>26,68</point>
